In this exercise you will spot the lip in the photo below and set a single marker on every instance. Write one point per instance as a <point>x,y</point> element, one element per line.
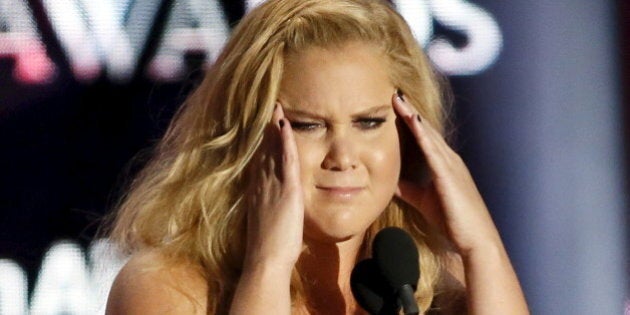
<point>343,192</point>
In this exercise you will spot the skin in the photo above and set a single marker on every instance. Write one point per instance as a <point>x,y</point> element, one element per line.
<point>335,85</point>
<point>346,139</point>
<point>453,203</point>
<point>317,143</point>
<point>345,143</point>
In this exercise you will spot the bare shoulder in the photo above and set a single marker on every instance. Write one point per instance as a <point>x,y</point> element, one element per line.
<point>147,284</point>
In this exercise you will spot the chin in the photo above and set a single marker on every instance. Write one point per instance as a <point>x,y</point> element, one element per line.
<point>338,225</point>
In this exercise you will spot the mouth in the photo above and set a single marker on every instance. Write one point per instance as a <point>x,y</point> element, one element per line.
<point>341,192</point>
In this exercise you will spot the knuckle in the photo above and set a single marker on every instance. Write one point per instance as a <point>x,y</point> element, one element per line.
<point>290,158</point>
<point>287,158</point>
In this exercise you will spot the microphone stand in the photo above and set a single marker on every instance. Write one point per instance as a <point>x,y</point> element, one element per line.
<point>407,300</point>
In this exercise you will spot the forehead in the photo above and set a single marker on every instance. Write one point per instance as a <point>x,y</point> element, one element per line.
<point>351,78</point>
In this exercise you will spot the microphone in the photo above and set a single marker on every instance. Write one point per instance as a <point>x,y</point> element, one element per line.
<point>387,281</point>
<point>371,290</point>
<point>396,256</point>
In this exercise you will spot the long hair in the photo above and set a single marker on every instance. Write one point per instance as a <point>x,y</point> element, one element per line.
<point>189,200</point>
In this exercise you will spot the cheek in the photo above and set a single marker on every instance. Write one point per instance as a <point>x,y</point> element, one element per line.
<point>384,163</point>
<point>380,156</point>
<point>310,156</point>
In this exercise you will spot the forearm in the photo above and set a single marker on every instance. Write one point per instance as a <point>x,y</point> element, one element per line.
<point>263,289</point>
<point>491,283</point>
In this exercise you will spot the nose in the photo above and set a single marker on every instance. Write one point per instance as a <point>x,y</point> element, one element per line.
<point>341,155</point>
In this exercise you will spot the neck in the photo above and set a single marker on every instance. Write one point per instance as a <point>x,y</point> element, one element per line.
<point>326,268</point>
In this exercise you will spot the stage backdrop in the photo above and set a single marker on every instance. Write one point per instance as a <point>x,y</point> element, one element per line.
<point>88,86</point>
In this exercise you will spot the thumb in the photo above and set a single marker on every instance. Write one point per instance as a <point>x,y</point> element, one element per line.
<point>423,198</point>
<point>410,193</point>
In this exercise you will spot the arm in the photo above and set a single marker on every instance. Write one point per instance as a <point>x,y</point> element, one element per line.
<point>453,204</point>
<point>274,226</point>
<point>491,283</point>
<point>147,284</point>
<point>261,289</point>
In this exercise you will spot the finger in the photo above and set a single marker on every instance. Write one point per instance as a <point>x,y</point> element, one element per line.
<point>269,143</point>
<point>422,198</point>
<point>436,136</point>
<point>412,119</point>
<point>438,140</point>
<point>290,160</point>
<point>425,138</point>
<point>408,192</point>
<point>271,148</point>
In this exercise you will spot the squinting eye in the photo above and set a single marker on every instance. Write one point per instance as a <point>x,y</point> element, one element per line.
<point>304,126</point>
<point>370,123</point>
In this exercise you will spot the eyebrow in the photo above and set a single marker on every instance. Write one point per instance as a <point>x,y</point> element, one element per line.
<point>367,112</point>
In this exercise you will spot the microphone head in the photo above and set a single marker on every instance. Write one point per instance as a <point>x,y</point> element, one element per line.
<point>371,290</point>
<point>396,256</point>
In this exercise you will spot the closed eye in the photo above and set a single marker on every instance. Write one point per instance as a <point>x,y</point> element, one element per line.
<point>304,126</point>
<point>369,123</point>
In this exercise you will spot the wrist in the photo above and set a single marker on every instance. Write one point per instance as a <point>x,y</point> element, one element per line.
<point>262,286</point>
<point>485,251</point>
<point>268,269</point>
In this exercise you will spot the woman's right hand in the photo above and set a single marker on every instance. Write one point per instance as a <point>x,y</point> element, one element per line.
<point>275,219</point>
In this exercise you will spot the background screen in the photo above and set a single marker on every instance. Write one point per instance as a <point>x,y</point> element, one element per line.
<point>88,86</point>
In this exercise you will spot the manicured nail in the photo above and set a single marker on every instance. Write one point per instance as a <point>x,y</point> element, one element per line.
<point>400,95</point>
<point>281,123</point>
<point>418,117</point>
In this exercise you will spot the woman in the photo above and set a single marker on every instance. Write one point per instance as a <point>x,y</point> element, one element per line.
<point>274,176</point>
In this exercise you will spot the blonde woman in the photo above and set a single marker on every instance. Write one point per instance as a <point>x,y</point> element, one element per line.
<point>276,173</point>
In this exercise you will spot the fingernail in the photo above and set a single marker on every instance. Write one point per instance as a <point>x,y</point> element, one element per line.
<point>400,95</point>
<point>418,117</point>
<point>281,123</point>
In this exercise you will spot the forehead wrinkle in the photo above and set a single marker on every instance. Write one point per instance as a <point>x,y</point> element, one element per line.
<point>373,110</point>
<point>335,85</point>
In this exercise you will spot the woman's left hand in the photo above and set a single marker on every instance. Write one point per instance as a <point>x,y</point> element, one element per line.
<point>451,200</point>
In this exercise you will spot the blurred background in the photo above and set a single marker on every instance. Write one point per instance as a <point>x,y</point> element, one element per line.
<point>541,88</point>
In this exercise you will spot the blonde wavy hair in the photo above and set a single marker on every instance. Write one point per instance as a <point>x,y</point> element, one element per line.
<point>189,200</point>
